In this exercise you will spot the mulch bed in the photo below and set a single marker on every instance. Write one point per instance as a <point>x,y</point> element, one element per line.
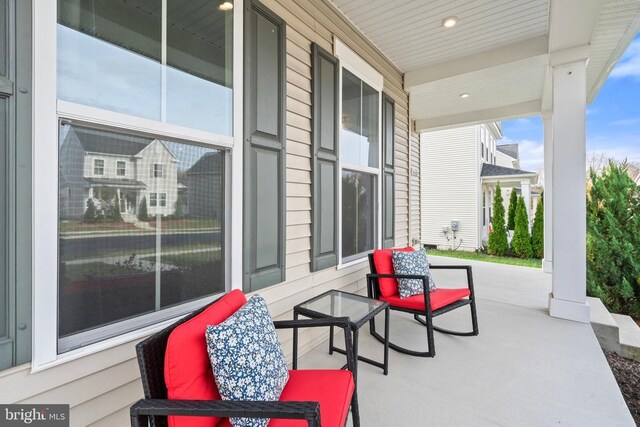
<point>627,374</point>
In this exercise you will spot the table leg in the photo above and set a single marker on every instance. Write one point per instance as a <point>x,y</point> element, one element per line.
<point>330,339</point>
<point>386,341</point>
<point>355,356</point>
<point>295,343</point>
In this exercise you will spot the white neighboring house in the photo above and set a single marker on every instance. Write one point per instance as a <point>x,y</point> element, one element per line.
<point>127,170</point>
<point>634,173</point>
<point>460,168</point>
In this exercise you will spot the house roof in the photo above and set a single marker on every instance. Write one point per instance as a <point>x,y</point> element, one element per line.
<point>495,170</point>
<point>107,142</point>
<point>209,163</point>
<point>511,150</point>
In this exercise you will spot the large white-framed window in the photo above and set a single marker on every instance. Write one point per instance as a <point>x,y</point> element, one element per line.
<point>359,164</point>
<point>158,92</point>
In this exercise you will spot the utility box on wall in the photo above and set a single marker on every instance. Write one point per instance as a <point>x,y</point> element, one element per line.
<point>455,225</point>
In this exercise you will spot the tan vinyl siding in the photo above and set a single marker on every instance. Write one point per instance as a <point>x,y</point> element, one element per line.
<point>414,189</point>
<point>101,387</point>
<point>450,183</point>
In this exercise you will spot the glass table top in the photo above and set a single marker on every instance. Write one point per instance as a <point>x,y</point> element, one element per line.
<point>342,304</point>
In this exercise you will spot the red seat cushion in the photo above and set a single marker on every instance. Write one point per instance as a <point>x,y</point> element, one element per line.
<point>187,369</point>
<point>439,298</point>
<point>332,388</point>
<point>384,265</point>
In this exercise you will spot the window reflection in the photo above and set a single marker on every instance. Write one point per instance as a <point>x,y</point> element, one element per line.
<point>110,56</point>
<point>136,243</point>
<point>358,213</point>
<point>359,131</point>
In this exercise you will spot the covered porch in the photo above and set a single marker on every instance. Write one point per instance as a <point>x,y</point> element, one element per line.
<point>525,368</point>
<point>504,60</point>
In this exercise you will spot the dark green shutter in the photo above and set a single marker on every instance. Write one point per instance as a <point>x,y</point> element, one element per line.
<point>388,172</point>
<point>264,148</point>
<point>15,182</point>
<point>324,249</point>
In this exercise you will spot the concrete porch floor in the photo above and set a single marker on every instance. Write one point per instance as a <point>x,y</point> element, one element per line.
<point>524,369</point>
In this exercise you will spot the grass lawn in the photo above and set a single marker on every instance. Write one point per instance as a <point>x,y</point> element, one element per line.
<point>527,262</point>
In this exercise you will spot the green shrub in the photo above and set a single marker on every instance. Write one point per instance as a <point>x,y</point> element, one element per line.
<point>613,240</point>
<point>513,202</point>
<point>143,214</point>
<point>521,241</point>
<point>91,213</point>
<point>498,243</point>
<point>537,232</point>
<point>115,212</point>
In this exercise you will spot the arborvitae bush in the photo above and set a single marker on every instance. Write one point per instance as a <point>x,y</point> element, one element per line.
<point>498,244</point>
<point>521,241</point>
<point>511,217</point>
<point>115,213</point>
<point>142,212</point>
<point>537,232</point>
<point>91,212</point>
<point>613,240</point>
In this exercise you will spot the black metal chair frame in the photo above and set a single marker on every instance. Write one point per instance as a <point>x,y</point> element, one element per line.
<point>373,291</point>
<point>155,407</point>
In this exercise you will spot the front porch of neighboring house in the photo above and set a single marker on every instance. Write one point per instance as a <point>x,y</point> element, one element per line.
<point>510,180</point>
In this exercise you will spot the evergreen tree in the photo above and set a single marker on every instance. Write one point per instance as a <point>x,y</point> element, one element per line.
<point>613,240</point>
<point>498,243</point>
<point>142,212</point>
<point>537,232</point>
<point>521,242</point>
<point>179,211</point>
<point>91,212</point>
<point>115,213</point>
<point>513,202</point>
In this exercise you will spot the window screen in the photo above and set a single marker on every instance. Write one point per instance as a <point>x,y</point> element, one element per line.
<point>130,246</point>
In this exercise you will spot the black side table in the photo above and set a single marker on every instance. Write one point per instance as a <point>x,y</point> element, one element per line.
<point>359,309</point>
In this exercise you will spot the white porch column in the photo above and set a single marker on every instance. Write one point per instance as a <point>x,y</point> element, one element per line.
<point>547,262</point>
<point>525,189</point>
<point>487,202</point>
<point>568,297</point>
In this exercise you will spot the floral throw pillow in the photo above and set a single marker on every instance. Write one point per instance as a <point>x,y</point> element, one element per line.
<point>414,263</point>
<point>246,358</point>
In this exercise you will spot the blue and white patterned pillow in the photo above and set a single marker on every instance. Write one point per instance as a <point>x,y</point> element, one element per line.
<point>246,358</point>
<point>412,263</point>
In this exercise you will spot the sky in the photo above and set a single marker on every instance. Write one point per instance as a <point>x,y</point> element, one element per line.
<point>613,119</point>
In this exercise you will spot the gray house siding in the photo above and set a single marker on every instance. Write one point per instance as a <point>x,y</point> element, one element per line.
<point>100,387</point>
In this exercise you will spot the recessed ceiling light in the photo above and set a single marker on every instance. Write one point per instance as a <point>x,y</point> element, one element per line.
<point>464,95</point>
<point>449,21</point>
<point>225,6</point>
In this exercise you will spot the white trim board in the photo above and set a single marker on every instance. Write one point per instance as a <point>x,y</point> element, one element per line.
<point>357,65</point>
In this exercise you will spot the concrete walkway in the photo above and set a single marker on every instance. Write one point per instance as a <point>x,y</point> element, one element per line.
<point>524,369</point>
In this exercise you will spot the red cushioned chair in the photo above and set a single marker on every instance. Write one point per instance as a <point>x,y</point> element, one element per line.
<point>382,284</point>
<point>180,390</point>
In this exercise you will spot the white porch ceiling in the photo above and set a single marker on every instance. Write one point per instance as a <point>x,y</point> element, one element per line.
<point>410,31</point>
<point>500,51</point>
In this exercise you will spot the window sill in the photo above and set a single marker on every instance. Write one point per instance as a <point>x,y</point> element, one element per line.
<point>105,345</point>
<point>352,263</point>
